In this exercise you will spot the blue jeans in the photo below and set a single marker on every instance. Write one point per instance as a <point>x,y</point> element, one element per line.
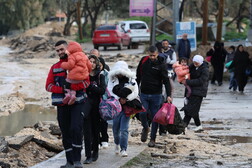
<point>152,104</point>
<point>120,130</point>
<point>232,81</point>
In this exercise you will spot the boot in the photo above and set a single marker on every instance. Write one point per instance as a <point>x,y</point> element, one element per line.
<point>144,135</point>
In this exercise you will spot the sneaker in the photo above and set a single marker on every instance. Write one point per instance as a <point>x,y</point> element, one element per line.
<point>104,145</point>
<point>144,135</point>
<point>87,161</point>
<point>78,164</point>
<point>67,165</point>
<point>152,143</point>
<point>199,128</point>
<point>117,149</point>
<point>123,153</point>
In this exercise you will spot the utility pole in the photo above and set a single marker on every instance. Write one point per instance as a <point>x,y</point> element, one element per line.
<point>154,21</point>
<point>250,25</point>
<point>220,20</point>
<point>175,6</point>
<point>78,4</point>
<point>205,22</point>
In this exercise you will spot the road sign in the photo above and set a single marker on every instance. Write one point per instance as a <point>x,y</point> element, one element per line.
<point>190,29</point>
<point>141,7</point>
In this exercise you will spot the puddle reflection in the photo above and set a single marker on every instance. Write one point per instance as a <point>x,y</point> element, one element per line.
<point>237,139</point>
<point>9,125</point>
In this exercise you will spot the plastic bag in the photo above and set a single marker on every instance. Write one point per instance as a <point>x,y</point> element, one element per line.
<point>165,114</point>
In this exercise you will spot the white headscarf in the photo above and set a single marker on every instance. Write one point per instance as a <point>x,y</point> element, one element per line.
<point>198,58</point>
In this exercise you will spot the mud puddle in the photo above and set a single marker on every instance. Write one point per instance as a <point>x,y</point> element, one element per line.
<point>9,125</point>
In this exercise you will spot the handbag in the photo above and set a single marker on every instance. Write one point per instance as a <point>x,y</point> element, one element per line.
<point>208,58</point>
<point>131,111</point>
<point>133,107</point>
<point>248,70</point>
<point>109,108</point>
<point>165,114</point>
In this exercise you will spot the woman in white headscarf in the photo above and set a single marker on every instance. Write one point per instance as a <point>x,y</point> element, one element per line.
<point>199,84</point>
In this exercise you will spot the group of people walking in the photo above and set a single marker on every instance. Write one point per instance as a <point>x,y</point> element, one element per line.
<point>78,83</point>
<point>235,60</point>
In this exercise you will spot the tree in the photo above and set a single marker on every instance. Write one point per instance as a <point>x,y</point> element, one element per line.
<point>240,13</point>
<point>24,14</point>
<point>69,8</point>
<point>93,8</point>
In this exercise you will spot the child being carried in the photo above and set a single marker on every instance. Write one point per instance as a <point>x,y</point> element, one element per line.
<point>181,68</point>
<point>78,66</point>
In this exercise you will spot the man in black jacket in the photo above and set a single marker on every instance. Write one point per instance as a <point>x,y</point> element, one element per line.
<point>151,74</point>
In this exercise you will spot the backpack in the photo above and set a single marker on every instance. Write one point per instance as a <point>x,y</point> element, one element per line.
<point>169,116</point>
<point>142,62</point>
<point>109,108</point>
<point>178,125</point>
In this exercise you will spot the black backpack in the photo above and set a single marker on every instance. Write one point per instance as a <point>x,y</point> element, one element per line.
<point>178,127</point>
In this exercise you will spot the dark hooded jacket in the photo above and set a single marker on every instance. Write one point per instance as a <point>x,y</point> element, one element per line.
<point>240,62</point>
<point>218,54</point>
<point>199,79</point>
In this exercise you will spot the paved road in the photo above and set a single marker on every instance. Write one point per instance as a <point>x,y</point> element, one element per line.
<point>112,51</point>
<point>107,158</point>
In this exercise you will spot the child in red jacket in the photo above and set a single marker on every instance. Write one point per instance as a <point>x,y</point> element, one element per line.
<point>182,70</point>
<point>78,66</point>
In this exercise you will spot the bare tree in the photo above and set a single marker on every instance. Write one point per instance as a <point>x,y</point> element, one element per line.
<point>69,8</point>
<point>93,8</point>
<point>243,12</point>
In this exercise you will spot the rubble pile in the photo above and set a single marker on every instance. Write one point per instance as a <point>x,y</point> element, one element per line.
<point>31,145</point>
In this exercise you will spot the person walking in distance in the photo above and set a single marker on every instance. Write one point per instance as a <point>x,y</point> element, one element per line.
<point>218,54</point>
<point>240,62</point>
<point>184,47</point>
<point>69,116</point>
<point>151,74</point>
<point>230,57</point>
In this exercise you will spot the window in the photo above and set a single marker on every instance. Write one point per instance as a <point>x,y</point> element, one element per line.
<point>138,26</point>
<point>110,27</point>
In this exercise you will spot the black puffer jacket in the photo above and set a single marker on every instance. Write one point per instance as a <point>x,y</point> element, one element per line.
<point>199,80</point>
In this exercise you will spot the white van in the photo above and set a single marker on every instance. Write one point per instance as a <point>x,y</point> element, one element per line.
<point>137,30</point>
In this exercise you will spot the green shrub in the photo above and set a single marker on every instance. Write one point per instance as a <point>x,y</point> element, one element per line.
<point>161,37</point>
<point>84,40</point>
<point>233,35</point>
<point>86,34</point>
